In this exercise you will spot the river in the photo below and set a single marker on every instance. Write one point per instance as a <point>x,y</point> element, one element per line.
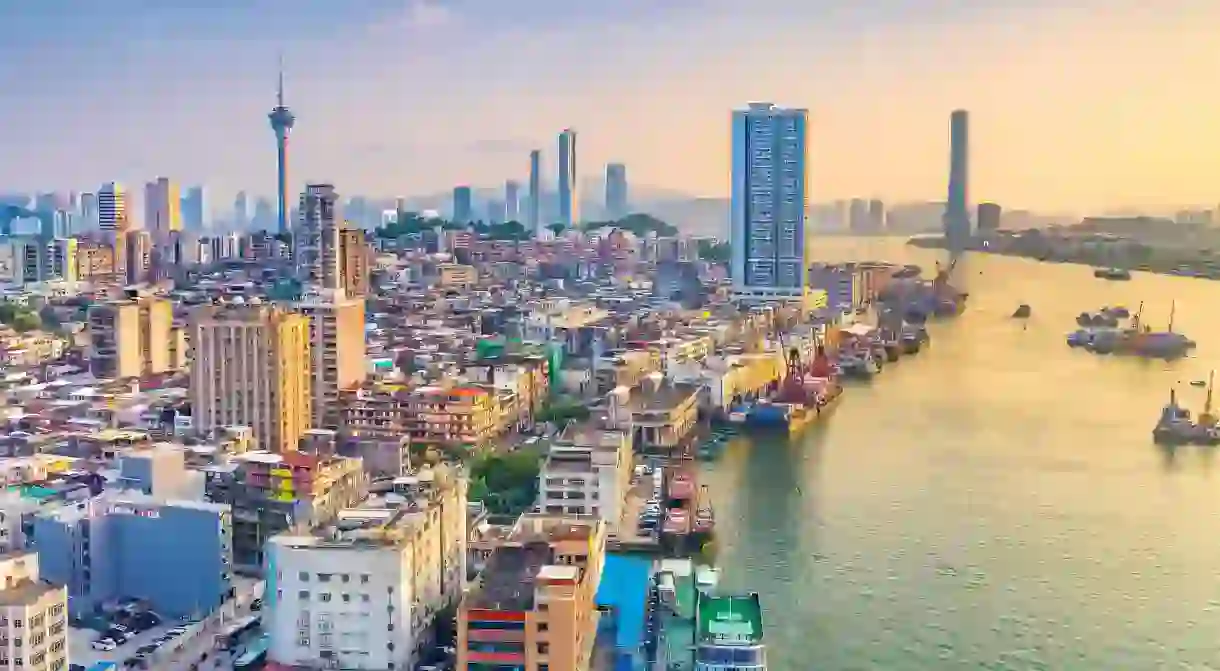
<point>993,503</point>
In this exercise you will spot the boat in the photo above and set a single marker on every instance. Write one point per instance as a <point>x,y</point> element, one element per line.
<point>893,350</point>
<point>1117,311</point>
<point>1174,426</point>
<point>807,395</point>
<point>1023,311</point>
<point>1198,383</point>
<point>1140,340</point>
<point>1112,274</point>
<point>729,633</point>
<point>703,526</point>
<point>1080,338</point>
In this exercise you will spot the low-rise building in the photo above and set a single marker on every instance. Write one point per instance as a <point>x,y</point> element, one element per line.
<point>364,592</point>
<point>587,472</point>
<point>271,493</point>
<point>533,606</point>
<point>662,415</point>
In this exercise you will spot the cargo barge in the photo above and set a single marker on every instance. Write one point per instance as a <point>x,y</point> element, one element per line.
<point>807,395</point>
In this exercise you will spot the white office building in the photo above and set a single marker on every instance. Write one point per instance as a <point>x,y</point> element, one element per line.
<point>770,157</point>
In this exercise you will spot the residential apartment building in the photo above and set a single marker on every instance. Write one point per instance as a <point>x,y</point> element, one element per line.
<point>251,366</point>
<point>33,617</point>
<point>163,209</point>
<point>523,376</point>
<point>353,262</point>
<point>316,237</point>
<point>442,415</point>
<point>337,349</point>
<point>532,607</point>
<point>176,555</point>
<point>130,337</point>
<point>587,472</point>
<point>364,592</point>
<point>94,261</point>
<point>272,493</point>
<point>456,276</point>
<point>139,251</point>
<point>768,202</point>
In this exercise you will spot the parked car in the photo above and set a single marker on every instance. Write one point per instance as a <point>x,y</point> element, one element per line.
<point>104,644</point>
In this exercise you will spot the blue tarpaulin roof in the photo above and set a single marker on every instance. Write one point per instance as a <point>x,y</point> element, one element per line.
<point>624,587</point>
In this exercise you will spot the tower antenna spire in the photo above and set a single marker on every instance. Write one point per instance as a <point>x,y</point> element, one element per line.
<point>279,96</point>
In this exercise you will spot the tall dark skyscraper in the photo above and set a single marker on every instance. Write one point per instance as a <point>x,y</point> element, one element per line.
<point>569,196</point>
<point>282,120</point>
<point>616,190</point>
<point>534,218</point>
<point>957,214</point>
<point>463,205</point>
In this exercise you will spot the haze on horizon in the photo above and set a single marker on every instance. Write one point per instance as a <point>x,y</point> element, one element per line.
<point>1100,105</point>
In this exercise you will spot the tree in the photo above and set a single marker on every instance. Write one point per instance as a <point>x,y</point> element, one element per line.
<point>49,317</point>
<point>557,228</point>
<point>561,413</point>
<point>26,321</point>
<point>718,252</point>
<point>639,224</point>
<point>507,483</point>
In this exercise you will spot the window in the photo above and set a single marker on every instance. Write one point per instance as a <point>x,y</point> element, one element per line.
<point>364,578</point>
<point>544,648</point>
<point>325,596</point>
<point>303,595</point>
<point>303,576</point>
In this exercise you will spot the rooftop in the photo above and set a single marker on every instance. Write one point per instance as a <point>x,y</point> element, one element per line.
<point>730,620</point>
<point>664,397</point>
<point>507,582</point>
<point>26,592</point>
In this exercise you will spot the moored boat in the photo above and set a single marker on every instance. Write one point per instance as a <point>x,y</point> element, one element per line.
<point>729,633</point>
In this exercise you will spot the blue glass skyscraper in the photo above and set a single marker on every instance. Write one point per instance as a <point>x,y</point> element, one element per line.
<point>769,196</point>
<point>957,212</point>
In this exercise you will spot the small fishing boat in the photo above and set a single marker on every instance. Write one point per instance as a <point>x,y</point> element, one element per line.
<point>1112,274</point>
<point>1023,311</point>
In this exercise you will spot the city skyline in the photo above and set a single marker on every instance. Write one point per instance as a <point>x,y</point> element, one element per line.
<point>1071,117</point>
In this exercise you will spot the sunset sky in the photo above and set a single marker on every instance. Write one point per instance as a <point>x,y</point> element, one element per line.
<point>1082,105</point>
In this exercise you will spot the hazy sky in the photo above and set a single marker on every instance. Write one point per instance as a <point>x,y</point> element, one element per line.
<point>1087,104</point>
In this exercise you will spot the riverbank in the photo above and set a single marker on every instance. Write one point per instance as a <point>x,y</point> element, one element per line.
<point>1091,250</point>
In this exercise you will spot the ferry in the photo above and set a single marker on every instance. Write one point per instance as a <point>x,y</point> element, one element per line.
<point>729,633</point>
